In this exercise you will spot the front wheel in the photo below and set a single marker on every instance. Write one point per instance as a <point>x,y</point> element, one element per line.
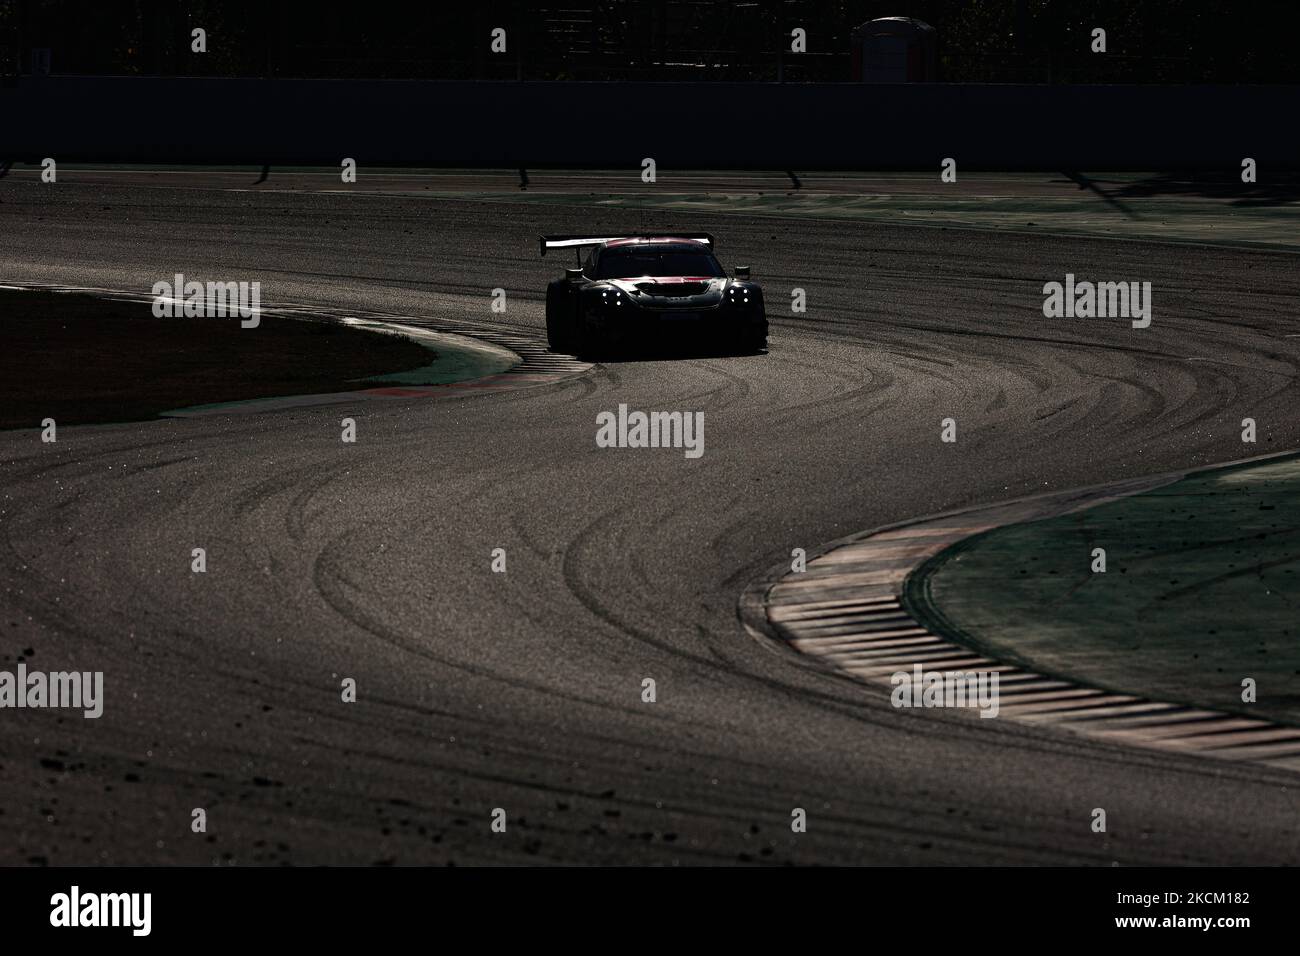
<point>595,340</point>
<point>558,334</point>
<point>753,340</point>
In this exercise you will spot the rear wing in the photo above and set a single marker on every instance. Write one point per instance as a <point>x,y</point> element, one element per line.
<point>579,243</point>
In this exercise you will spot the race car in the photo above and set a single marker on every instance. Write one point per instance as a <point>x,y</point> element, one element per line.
<point>650,291</point>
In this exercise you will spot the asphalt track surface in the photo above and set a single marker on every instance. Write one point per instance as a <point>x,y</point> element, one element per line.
<point>523,690</point>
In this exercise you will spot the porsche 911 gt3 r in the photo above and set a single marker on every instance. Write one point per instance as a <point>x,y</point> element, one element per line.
<point>648,291</point>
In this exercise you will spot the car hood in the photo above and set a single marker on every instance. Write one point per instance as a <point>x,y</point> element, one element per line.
<point>667,292</point>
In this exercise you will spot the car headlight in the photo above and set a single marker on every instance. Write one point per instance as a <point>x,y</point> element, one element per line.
<point>738,295</point>
<point>612,297</point>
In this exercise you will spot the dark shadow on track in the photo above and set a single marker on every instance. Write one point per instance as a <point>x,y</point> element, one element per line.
<point>667,353</point>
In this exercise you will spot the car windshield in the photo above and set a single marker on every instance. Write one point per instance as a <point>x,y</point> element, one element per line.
<point>668,262</point>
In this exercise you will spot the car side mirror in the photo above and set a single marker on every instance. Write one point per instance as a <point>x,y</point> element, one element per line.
<point>742,272</point>
<point>573,275</point>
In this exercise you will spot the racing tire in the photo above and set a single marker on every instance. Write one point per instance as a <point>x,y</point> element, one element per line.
<point>594,342</point>
<point>559,337</point>
<point>753,341</point>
